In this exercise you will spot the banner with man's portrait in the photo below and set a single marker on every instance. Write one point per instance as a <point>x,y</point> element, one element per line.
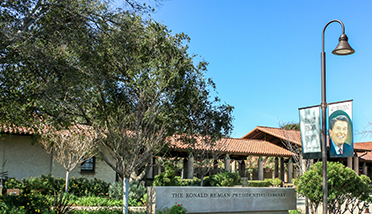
<point>340,129</point>
<point>310,132</point>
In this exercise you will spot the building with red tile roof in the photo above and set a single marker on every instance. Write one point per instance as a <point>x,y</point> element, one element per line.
<point>261,141</point>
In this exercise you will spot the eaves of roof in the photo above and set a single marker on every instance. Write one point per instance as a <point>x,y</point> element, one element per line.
<point>293,136</point>
<point>236,146</point>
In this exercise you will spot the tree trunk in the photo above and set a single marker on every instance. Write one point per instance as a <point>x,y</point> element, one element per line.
<point>66,183</point>
<point>307,205</point>
<point>125,195</point>
<point>202,180</point>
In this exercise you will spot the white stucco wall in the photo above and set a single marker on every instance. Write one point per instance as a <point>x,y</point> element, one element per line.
<point>24,158</point>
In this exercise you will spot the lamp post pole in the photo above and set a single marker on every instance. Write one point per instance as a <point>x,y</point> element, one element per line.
<point>343,48</point>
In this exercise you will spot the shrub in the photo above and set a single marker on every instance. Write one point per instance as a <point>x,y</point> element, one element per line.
<point>344,187</point>
<point>187,182</point>
<point>4,209</point>
<point>223,179</point>
<point>48,185</point>
<point>276,181</point>
<point>83,186</point>
<point>137,190</point>
<point>12,183</point>
<point>265,183</point>
<point>45,185</point>
<point>166,178</point>
<point>29,203</point>
<point>116,191</point>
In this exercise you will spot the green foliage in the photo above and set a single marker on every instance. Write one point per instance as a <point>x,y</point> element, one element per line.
<point>166,178</point>
<point>61,203</point>
<point>187,182</point>
<point>137,192</point>
<point>223,179</point>
<point>256,183</point>
<point>276,181</point>
<point>13,210</point>
<point>48,185</point>
<point>83,186</point>
<point>97,61</point>
<point>297,211</point>
<point>116,191</point>
<point>344,187</point>
<point>95,201</point>
<point>106,212</point>
<point>175,209</point>
<point>29,203</point>
<point>290,126</point>
<point>5,209</point>
<point>12,183</point>
<point>100,212</point>
<point>144,199</point>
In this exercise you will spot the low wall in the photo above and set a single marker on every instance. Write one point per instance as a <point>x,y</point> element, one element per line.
<point>223,199</point>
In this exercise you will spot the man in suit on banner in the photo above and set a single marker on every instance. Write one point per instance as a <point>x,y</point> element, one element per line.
<point>340,145</point>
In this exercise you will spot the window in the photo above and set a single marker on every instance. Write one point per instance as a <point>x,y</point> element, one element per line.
<point>88,165</point>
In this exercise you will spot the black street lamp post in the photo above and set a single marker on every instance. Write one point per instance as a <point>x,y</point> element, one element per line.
<point>343,48</point>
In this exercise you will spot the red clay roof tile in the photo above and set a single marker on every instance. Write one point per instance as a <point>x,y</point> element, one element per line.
<point>238,147</point>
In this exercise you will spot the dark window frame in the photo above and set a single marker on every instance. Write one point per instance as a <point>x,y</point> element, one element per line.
<point>91,168</point>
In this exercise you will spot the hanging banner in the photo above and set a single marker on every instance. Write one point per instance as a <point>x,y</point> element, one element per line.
<point>340,129</point>
<point>310,132</point>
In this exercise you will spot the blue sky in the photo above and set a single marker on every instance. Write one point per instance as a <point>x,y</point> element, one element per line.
<point>264,56</point>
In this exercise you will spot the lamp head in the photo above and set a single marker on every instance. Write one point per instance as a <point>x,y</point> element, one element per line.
<point>343,47</point>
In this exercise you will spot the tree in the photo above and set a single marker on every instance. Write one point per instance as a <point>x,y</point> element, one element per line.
<point>70,146</point>
<point>153,98</point>
<point>207,122</point>
<point>345,187</point>
<point>41,59</point>
<point>301,164</point>
<point>290,126</point>
<point>23,20</point>
<point>127,142</point>
<point>129,78</point>
<point>47,47</point>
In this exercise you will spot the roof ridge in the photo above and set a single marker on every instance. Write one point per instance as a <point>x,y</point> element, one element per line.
<point>243,139</point>
<point>279,128</point>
